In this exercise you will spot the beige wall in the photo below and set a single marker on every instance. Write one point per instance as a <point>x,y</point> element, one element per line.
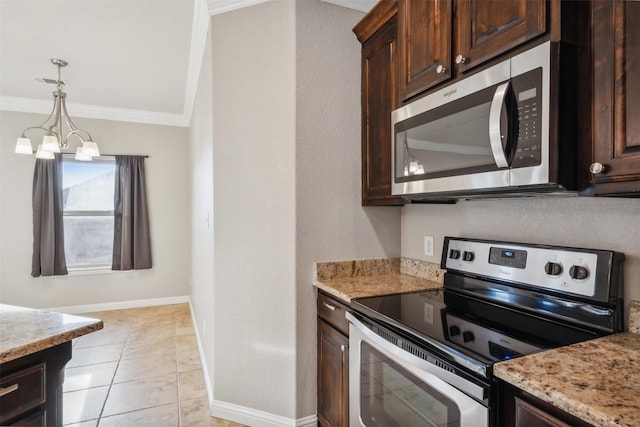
<point>599,223</point>
<point>254,85</point>
<point>330,222</point>
<point>168,206</point>
<point>286,131</point>
<point>202,237</point>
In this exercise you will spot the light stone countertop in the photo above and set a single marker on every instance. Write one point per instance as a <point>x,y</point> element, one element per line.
<point>364,278</point>
<point>597,381</point>
<point>24,331</point>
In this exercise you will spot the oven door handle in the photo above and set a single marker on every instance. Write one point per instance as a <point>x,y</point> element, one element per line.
<point>448,377</point>
<point>495,132</point>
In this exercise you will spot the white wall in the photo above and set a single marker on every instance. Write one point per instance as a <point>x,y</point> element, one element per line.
<point>202,222</point>
<point>330,222</point>
<point>254,207</point>
<point>599,223</point>
<point>167,186</point>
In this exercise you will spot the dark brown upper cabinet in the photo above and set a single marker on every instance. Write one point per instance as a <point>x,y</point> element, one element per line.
<point>424,42</point>
<point>378,34</point>
<point>440,38</point>
<point>614,165</point>
<point>486,29</point>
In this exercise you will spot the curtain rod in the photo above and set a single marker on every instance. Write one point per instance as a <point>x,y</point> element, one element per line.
<point>146,156</point>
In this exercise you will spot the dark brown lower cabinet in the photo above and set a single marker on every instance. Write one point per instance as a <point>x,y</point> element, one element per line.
<point>333,362</point>
<point>521,409</point>
<point>333,377</point>
<point>31,388</point>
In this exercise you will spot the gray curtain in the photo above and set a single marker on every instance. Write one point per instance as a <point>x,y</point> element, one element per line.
<point>48,231</point>
<point>131,241</point>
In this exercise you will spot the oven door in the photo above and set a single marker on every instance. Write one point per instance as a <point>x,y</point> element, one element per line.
<point>391,387</point>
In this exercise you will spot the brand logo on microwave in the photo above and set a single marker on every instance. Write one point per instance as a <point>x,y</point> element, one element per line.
<point>449,93</point>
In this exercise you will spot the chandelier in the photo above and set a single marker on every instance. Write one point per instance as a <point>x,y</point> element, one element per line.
<point>56,138</point>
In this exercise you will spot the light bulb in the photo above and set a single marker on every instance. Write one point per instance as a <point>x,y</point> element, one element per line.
<point>81,156</point>
<point>23,146</point>
<point>44,154</point>
<point>90,148</point>
<point>50,144</point>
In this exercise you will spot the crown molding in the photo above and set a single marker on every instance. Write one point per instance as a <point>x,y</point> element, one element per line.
<point>217,7</point>
<point>199,31</point>
<point>39,106</point>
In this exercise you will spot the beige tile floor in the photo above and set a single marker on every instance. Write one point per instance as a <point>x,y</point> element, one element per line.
<point>142,369</point>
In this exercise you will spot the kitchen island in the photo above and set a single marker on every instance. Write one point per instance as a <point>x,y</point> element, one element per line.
<point>35,346</point>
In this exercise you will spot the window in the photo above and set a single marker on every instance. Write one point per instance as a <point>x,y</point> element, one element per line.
<point>88,190</point>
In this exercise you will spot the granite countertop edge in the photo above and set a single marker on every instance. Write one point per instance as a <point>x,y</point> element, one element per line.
<point>574,379</point>
<point>22,323</point>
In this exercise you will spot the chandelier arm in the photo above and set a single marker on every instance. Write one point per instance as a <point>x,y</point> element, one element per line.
<point>34,127</point>
<point>71,125</point>
<point>53,112</point>
<point>75,132</point>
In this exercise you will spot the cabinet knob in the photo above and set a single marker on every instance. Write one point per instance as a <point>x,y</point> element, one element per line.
<point>440,69</point>
<point>596,168</point>
<point>344,347</point>
<point>460,59</point>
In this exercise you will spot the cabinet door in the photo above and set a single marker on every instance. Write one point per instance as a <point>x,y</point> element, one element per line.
<point>333,377</point>
<point>616,90</point>
<point>379,98</point>
<point>486,29</point>
<point>528,415</point>
<point>425,44</point>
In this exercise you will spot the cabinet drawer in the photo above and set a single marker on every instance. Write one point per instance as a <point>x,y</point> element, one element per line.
<point>39,419</point>
<point>21,391</point>
<point>529,415</point>
<point>333,312</point>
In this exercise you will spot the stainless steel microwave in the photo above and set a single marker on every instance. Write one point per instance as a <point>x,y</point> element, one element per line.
<point>509,129</point>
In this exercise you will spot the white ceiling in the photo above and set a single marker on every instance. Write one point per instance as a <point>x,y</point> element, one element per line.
<point>131,60</point>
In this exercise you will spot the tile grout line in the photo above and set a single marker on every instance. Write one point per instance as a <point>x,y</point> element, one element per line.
<point>174,318</point>
<point>104,404</point>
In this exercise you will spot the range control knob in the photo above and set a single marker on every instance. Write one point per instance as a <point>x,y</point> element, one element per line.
<point>454,254</point>
<point>578,272</point>
<point>467,336</point>
<point>454,331</point>
<point>468,256</point>
<point>553,269</point>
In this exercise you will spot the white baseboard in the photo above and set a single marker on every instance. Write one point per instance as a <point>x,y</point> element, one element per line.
<point>120,305</point>
<point>203,360</point>
<point>255,418</point>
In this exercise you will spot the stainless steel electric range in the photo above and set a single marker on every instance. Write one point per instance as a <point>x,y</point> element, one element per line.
<point>426,358</point>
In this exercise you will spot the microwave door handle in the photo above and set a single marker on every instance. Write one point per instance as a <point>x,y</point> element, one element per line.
<point>495,135</point>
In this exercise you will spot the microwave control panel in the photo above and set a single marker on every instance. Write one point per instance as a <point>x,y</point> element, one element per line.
<point>528,97</point>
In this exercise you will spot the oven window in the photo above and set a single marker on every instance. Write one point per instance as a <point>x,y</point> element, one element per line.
<point>391,396</point>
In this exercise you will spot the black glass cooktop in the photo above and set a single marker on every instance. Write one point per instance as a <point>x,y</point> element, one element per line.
<point>483,330</point>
